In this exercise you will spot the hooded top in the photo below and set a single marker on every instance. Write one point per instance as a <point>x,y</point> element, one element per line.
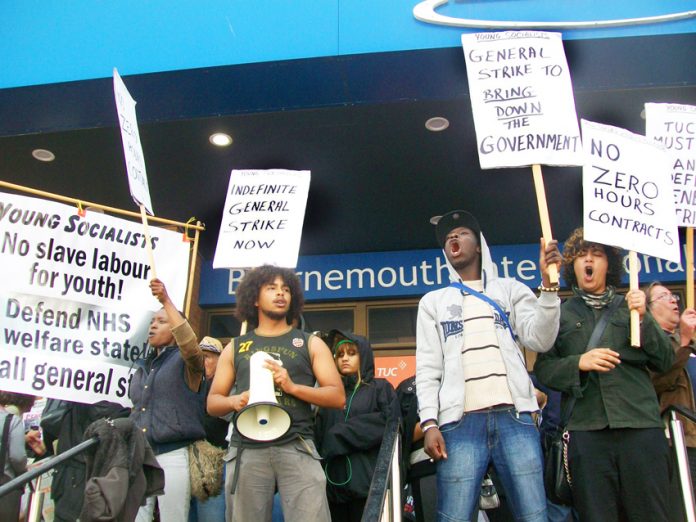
<point>349,439</point>
<point>439,338</point>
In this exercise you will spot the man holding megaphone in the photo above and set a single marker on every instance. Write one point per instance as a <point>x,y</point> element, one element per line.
<point>272,441</point>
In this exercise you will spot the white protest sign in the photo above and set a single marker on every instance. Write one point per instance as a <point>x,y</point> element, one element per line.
<point>263,217</point>
<point>627,194</point>
<point>674,126</point>
<point>75,303</point>
<point>132,148</point>
<point>522,99</point>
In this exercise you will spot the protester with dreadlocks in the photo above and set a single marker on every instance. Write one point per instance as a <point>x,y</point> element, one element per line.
<point>348,440</point>
<point>618,452</point>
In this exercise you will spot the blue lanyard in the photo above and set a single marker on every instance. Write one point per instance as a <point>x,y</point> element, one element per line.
<point>466,289</point>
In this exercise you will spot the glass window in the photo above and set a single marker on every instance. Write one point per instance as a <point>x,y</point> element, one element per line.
<point>223,326</point>
<point>392,325</point>
<point>327,320</point>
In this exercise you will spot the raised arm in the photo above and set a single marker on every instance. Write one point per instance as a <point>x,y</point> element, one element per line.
<point>184,336</point>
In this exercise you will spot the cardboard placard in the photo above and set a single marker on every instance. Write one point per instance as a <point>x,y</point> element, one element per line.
<point>522,99</point>
<point>263,217</point>
<point>627,193</point>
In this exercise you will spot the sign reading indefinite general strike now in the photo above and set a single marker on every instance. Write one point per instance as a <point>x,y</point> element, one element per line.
<point>674,126</point>
<point>263,217</point>
<point>627,192</point>
<point>522,99</point>
<point>75,304</point>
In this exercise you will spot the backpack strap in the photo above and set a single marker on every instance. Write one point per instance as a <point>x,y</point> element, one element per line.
<point>5,442</point>
<point>468,290</point>
<point>593,343</point>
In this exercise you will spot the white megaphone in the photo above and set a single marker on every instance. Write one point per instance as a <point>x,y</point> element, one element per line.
<point>262,419</point>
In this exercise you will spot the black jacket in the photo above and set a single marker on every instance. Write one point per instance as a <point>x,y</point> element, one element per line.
<point>349,439</point>
<point>68,483</point>
<point>121,471</point>
<point>408,402</point>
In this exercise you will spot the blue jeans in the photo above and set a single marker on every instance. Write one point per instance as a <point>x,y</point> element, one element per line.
<point>507,439</point>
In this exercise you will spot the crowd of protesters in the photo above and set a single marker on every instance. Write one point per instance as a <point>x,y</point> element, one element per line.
<point>471,412</point>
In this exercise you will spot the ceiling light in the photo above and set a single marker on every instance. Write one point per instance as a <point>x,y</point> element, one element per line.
<point>221,139</point>
<point>43,155</point>
<point>437,124</point>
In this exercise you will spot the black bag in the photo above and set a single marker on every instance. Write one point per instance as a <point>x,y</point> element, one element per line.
<point>557,479</point>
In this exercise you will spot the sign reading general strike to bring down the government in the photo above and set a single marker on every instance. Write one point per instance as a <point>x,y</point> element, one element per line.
<point>522,99</point>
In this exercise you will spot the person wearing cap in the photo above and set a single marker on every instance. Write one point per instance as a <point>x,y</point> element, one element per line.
<point>211,509</point>
<point>475,397</point>
<point>212,348</point>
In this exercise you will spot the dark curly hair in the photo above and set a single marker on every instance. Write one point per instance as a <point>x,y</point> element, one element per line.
<point>575,244</point>
<point>248,292</point>
<point>23,401</point>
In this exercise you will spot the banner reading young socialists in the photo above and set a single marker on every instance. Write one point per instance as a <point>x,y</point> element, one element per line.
<point>132,148</point>
<point>75,303</point>
<point>263,217</point>
<point>522,99</point>
<point>674,126</point>
<point>627,193</point>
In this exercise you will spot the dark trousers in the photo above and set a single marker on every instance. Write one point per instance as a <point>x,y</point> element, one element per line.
<point>620,474</point>
<point>10,503</point>
<point>347,511</point>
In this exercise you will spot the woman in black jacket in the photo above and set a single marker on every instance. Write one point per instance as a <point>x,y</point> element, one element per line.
<point>349,439</point>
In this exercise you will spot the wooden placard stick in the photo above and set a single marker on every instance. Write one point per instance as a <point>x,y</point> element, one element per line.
<point>192,272</point>
<point>633,285</point>
<point>148,243</point>
<point>689,267</point>
<point>544,216</point>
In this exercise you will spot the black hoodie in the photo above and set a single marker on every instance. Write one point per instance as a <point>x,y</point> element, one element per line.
<point>349,439</point>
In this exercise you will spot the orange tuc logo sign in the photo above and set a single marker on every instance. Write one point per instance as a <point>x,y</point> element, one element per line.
<point>395,369</point>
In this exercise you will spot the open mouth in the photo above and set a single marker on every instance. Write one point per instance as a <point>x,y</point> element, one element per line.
<point>454,248</point>
<point>589,271</point>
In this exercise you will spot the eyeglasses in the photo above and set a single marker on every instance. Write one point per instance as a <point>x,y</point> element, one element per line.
<point>666,297</point>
